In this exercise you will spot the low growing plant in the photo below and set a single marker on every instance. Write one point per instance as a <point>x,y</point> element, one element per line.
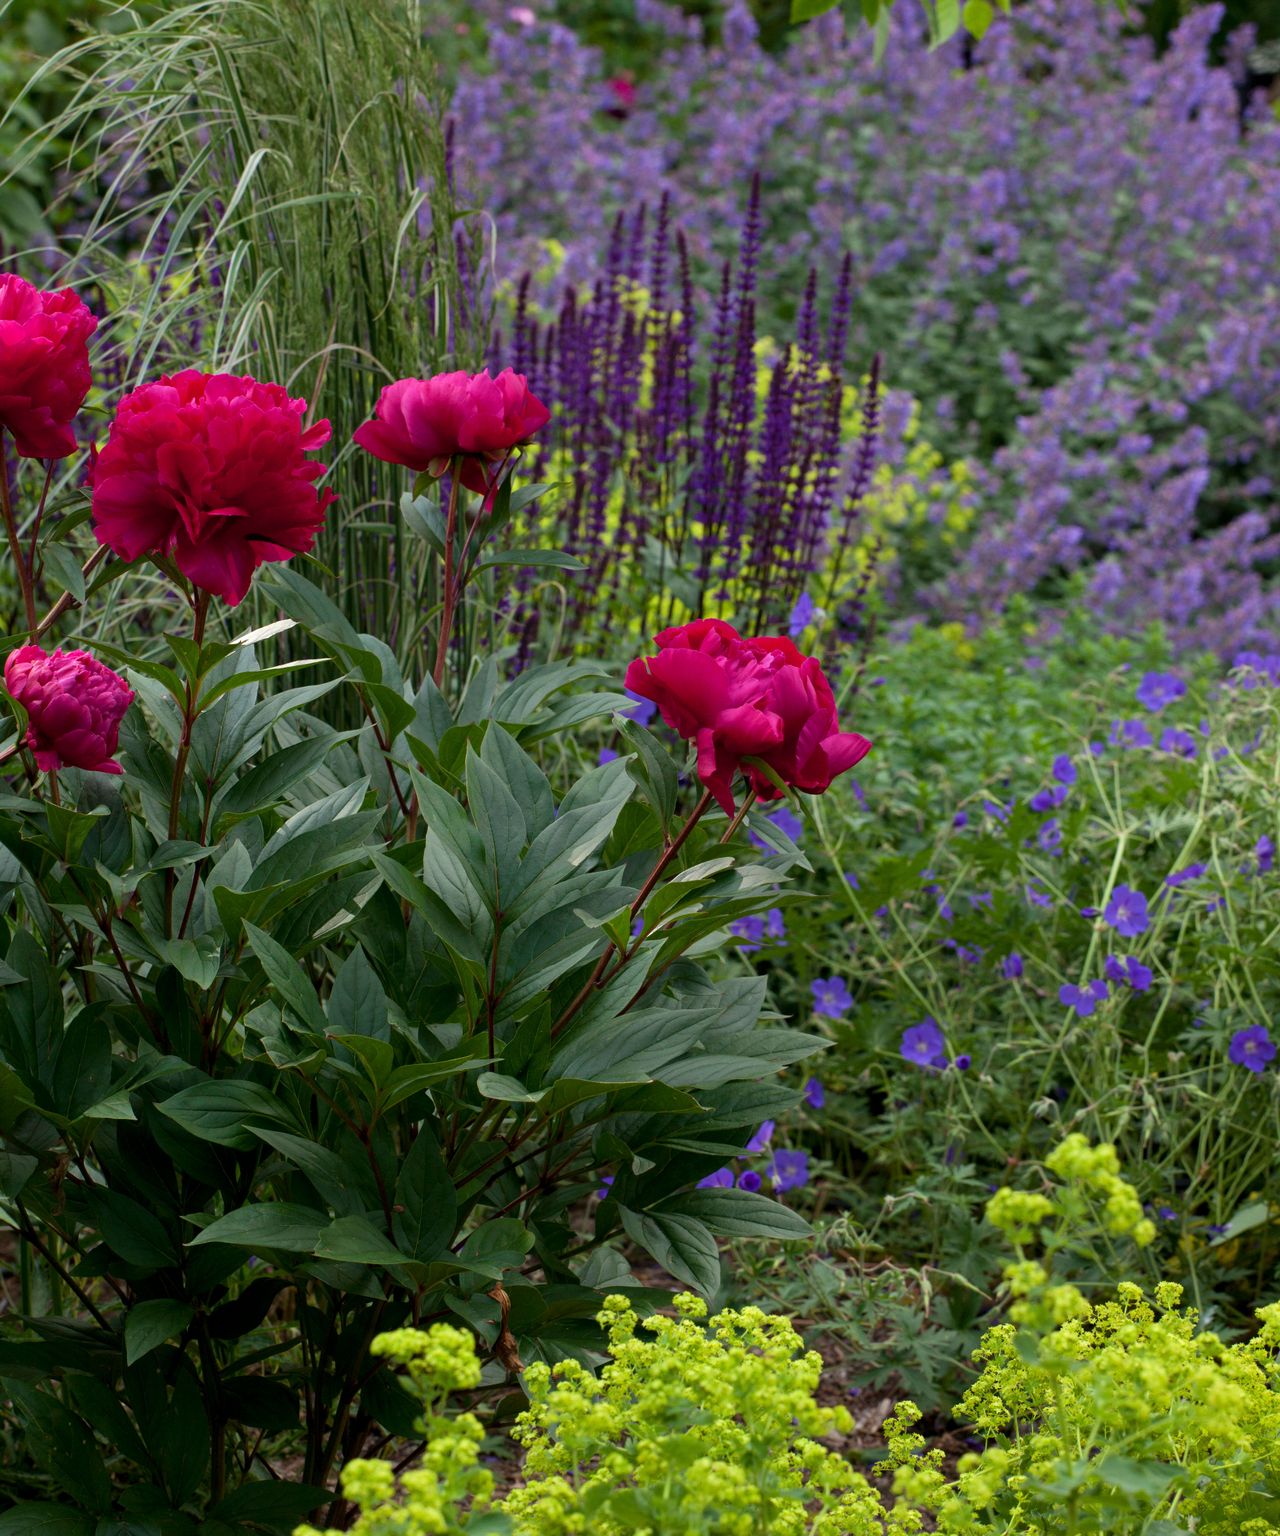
<point>1111,1416</point>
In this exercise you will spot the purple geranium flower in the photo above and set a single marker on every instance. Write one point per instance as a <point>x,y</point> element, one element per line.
<point>1265,850</point>
<point>815,1095</point>
<point>1126,912</point>
<point>923,1044</point>
<point>1083,999</point>
<point>1064,770</point>
<point>749,1180</point>
<point>1158,689</point>
<point>802,615</point>
<point>1130,733</point>
<point>641,710</point>
<point>1048,799</point>
<point>1011,966</point>
<point>963,1062</point>
<point>831,997</point>
<point>1130,971</point>
<point>722,1178</point>
<point>1180,743</point>
<point>1252,1048</point>
<point>789,1170</point>
<point>1181,876</point>
<point>762,1137</point>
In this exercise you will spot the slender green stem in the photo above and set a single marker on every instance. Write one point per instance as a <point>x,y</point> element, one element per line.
<point>450,595</point>
<point>21,568</point>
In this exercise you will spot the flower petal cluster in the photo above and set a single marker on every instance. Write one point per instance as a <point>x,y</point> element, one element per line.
<point>211,471</point>
<point>74,707</point>
<point>739,698</point>
<point>424,424</point>
<point>44,366</point>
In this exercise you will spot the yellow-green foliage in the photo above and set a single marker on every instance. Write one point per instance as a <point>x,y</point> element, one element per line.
<point>1112,1416</point>
<point>700,1427</point>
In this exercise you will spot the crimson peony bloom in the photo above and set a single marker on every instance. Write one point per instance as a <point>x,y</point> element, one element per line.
<point>739,698</point>
<point>44,366</point>
<point>813,749</point>
<point>74,707</point>
<point>210,469</point>
<point>425,423</point>
<point>709,686</point>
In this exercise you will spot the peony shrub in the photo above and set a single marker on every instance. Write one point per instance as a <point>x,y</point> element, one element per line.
<point>308,1033</point>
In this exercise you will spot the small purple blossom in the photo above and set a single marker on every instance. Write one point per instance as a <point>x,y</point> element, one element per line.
<point>923,1044</point>
<point>641,710</point>
<point>960,819</point>
<point>1180,743</point>
<point>1252,1048</point>
<point>815,1095</point>
<point>831,997</point>
<point>1133,734</point>
<point>1011,966</point>
<point>749,1180</point>
<point>722,1178</point>
<point>1064,770</point>
<point>762,1137</point>
<point>802,615</point>
<point>1182,876</point>
<point>1126,912</point>
<point>963,1062</point>
<point>1130,971</point>
<point>1038,898</point>
<point>1050,798</point>
<point>789,1170</point>
<point>1083,999</point>
<point>1265,853</point>
<point>607,755</point>
<point>1157,689</point>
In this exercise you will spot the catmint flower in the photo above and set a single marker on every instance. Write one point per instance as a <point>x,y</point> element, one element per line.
<point>1265,852</point>
<point>1252,1048</point>
<point>923,1044</point>
<point>1126,912</point>
<point>831,997</point>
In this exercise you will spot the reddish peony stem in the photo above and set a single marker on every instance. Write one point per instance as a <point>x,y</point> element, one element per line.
<point>450,595</point>
<point>20,565</point>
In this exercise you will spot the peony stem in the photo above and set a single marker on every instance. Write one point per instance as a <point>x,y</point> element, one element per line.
<point>15,546</point>
<point>35,530</point>
<point>450,593</point>
<point>646,890</point>
<point>189,713</point>
<point>740,817</point>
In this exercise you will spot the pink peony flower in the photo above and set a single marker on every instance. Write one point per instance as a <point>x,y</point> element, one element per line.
<point>813,749</point>
<point>425,423</point>
<point>44,366</point>
<point>210,469</point>
<point>709,686</point>
<point>74,707</point>
<point>739,698</point>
